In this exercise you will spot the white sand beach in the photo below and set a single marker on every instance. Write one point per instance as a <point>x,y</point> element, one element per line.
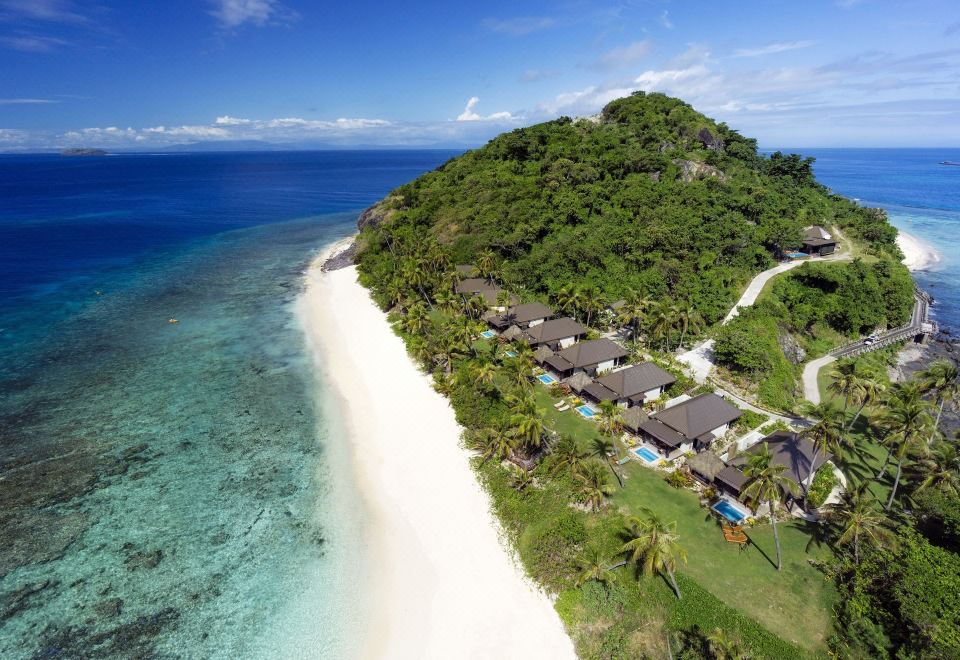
<point>444,584</point>
<point>918,255</point>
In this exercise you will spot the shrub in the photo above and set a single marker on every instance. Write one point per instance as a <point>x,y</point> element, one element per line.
<point>679,479</point>
<point>823,482</point>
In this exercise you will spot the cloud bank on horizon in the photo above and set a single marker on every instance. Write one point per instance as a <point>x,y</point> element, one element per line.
<point>283,72</point>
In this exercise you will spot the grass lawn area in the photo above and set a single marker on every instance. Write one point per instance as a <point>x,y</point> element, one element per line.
<point>795,604</point>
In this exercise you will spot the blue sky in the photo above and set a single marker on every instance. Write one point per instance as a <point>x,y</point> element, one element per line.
<point>142,74</point>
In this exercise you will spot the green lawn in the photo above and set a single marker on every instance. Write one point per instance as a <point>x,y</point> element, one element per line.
<point>795,604</point>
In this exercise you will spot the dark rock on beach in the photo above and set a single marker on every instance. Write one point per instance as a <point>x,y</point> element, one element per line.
<point>342,259</point>
<point>916,358</point>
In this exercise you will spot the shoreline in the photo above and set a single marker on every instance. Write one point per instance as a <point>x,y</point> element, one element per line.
<point>442,582</point>
<point>917,254</point>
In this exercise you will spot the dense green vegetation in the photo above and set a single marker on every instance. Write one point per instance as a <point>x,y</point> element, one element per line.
<point>657,204</point>
<point>654,200</point>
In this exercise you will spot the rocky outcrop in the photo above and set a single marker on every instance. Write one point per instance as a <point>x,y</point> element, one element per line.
<point>791,348</point>
<point>691,170</point>
<point>341,259</point>
<point>709,140</point>
<point>374,216</point>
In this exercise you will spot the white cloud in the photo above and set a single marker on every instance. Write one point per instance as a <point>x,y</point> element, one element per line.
<point>625,55</point>
<point>468,113</point>
<point>32,43</point>
<point>49,11</point>
<point>27,101</point>
<point>770,49</point>
<point>518,26</point>
<point>227,120</point>
<point>665,19</point>
<point>232,14</point>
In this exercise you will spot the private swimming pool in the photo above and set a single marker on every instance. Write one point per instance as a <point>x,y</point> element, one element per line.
<point>510,353</point>
<point>546,379</point>
<point>728,511</point>
<point>797,255</point>
<point>646,455</point>
<point>586,411</point>
<point>488,334</point>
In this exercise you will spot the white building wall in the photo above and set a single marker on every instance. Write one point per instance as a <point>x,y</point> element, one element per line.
<point>567,342</point>
<point>535,322</point>
<point>652,394</point>
<point>605,366</point>
<point>720,430</point>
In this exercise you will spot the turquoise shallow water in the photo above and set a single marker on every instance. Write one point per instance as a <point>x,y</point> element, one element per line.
<point>191,501</point>
<point>175,490</point>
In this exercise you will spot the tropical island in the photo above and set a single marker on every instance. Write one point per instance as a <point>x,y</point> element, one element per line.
<point>83,151</point>
<point>551,283</point>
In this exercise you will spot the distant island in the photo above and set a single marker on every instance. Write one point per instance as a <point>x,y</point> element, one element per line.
<point>949,162</point>
<point>551,281</point>
<point>83,151</point>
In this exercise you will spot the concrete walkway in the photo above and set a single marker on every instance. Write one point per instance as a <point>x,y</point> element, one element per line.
<point>756,286</point>
<point>811,388</point>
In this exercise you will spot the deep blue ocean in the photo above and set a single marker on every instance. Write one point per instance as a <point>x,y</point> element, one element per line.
<point>921,197</point>
<point>177,489</point>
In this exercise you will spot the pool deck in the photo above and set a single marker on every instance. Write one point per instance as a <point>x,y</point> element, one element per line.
<point>644,461</point>
<point>736,505</point>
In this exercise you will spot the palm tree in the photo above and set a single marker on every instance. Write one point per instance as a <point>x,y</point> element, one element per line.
<point>567,298</point>
<point>493,443</point>
<point>724,647</point>
<point>447,300</point>
<point>503,299</point>
<point>940,469</point>
<point>690,320</point>
<point>858,516</point>
<point>846,382</point>
<point>767,483</point>
<point>590,300</point>
<point>474,307</point>
<point>602,448</point>
<point>871,390</point>
<point>943,378</point>
<point>826,434</point>
<point>907,416</point>
<point>522,479</point>
<point>417,319</point>
<point>593,565</point>
<point>566,455</point>
<point>487,264</point>
<point>414,271</point>
<point>633,310</point>
<point>527,421</point>
<point>664,318</point>
<point>593,488</point>
<point>484,373</point>
<point>653,545</point>
<point>611,419</point>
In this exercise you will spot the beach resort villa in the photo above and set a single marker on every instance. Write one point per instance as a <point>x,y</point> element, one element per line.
<point>631,386</point>
<point>689,426</point>
<point>592,357</point>
<point>486,289</point>
<point>523,316</point>
<point>788,448</point>
<point>818,241</point>
<point>555,334</point>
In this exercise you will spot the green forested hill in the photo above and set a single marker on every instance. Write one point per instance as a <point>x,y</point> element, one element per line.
<point>651,197</point>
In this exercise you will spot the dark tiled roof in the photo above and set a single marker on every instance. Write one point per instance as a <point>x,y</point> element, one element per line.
<point>554,330</point>
<point>476,285</point>
<point>542,353</point>
<point>698,415</point>
<point>592,352</point>
<point>557,363</point>
<point>817,242</point>
<point>663,433</point>
<point>636,379</point>
<point>732,477</point>
<point>789,449</point>
<point>466,269</point>
<point>816,232</point>
<point>599,392</point>
<point>526,313</point>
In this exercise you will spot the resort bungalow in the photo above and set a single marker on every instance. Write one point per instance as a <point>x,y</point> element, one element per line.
<point>555,334</point>
<point>788,448</point>
<point>689,426</point>
<point>817,240</point>
<point>593,357</point>
<point>522,316</point>
<point>632,386</point>
<point>486,289</point>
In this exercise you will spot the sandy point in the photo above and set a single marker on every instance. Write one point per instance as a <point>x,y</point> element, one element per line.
<point>445,585</point>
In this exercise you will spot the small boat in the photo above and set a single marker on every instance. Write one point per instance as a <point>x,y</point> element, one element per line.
<point>172,321</point>
<point>949,162</point>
